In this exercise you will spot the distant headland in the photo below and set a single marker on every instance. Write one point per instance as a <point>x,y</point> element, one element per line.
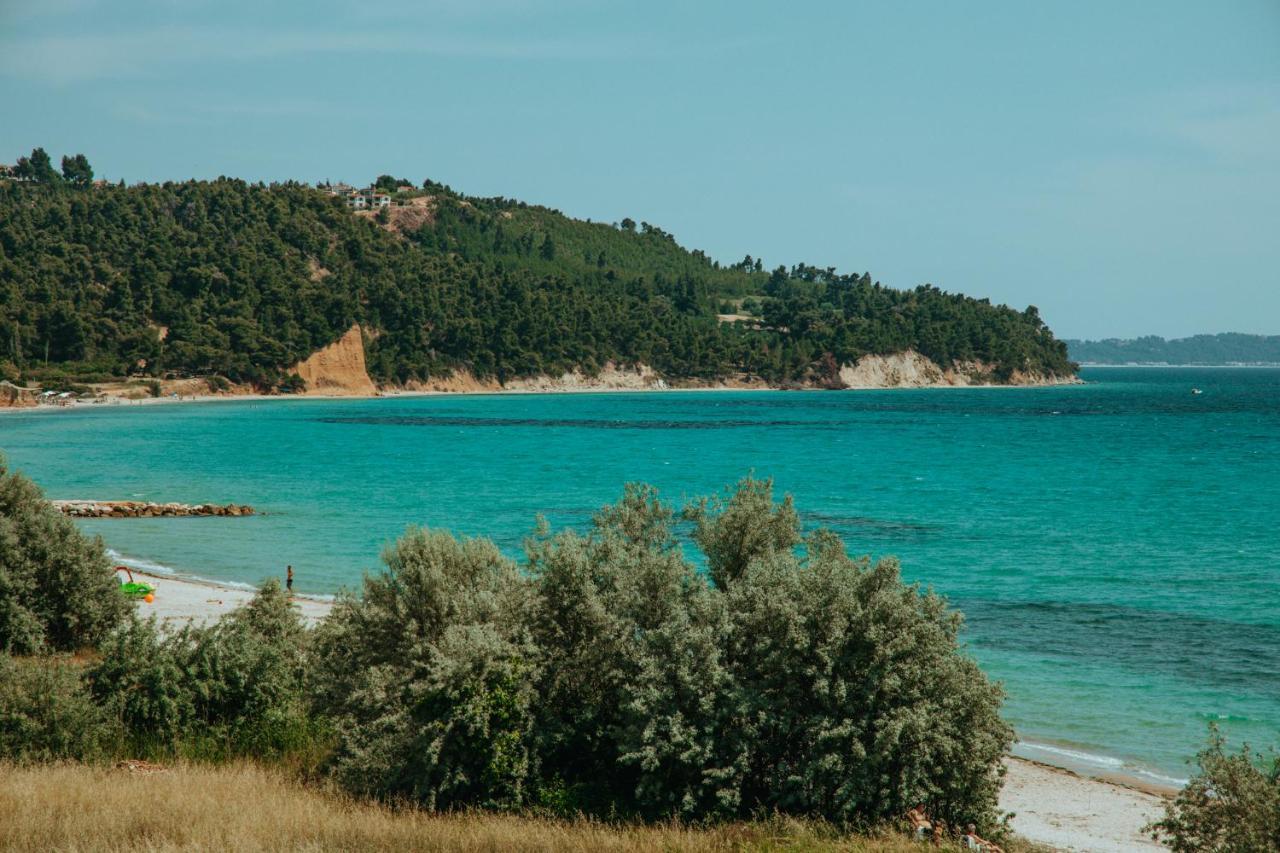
<point>1221,350</point>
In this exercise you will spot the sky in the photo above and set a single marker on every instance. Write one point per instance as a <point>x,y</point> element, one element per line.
<point>1116,164</point>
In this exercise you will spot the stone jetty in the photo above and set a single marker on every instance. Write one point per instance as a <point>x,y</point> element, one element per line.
<point>144,509</point>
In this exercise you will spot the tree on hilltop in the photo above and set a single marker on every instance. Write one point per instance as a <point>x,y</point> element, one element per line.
<point>76,170</point>
<point>38,167</point>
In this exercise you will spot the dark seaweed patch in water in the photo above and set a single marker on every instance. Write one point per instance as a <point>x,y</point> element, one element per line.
<point>575,423</point>
<point>1230,655</point>
<point>864,526</point>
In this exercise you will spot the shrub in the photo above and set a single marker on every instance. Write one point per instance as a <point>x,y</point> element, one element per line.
<point>46,714</point>
<point>57,588</point>
<point>631,688</point>
<point>141,680</point>
<point>855,702</point>
<point>233,688</point>
<point>427,678</point>
<point>616,678</point>
<point>1232,804</point>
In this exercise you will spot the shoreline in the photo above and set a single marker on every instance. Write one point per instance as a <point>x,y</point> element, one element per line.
<point>117,402</point>
<point>1068,811</point>
<point>1053,805</point>
<point>197,601</point>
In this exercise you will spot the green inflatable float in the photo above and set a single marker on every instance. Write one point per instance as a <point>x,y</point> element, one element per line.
<point>132,589</point>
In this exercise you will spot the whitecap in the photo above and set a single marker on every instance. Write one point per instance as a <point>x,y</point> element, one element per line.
<point>1076,759</point>
<point>140,564</point>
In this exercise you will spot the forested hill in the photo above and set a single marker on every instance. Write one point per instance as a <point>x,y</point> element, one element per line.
<point>1226,348</point>
<point>244,280</point>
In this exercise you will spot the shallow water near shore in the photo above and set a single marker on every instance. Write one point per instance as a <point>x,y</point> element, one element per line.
<point>1114,546</point>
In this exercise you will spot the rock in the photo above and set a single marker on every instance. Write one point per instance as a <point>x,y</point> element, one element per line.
<point>140,509</point>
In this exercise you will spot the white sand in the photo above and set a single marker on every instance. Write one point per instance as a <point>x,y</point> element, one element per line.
<point>1070,812</point>
<point>1054,807</point>
<point>181,600</point>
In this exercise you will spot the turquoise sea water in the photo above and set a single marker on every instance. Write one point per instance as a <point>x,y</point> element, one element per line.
<point>1114,546</point>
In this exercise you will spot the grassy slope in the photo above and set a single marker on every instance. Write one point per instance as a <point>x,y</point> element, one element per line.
<point>245,807</point>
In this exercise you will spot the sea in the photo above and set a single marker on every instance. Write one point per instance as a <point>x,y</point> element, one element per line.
<point>1114,546</point>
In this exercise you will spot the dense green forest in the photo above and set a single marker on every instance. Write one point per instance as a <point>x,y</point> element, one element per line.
<point>241,280</point>
<point>1226,348</point>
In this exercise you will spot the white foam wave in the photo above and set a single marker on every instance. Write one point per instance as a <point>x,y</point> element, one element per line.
<point>161,569</point>
<point>1075,759</point>
<point>1075,755</point>
<point>230,584</point>
<point>140,564</point>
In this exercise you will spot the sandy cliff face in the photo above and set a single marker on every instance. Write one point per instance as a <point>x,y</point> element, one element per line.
<point>611,378</point>
<point>907,369</point>
<point>338,369</point>
<point>16,396</point>
<point>910,369</point>
<point>904,370</point>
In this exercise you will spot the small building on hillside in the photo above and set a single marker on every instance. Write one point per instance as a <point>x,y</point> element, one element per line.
<point>365,199</point>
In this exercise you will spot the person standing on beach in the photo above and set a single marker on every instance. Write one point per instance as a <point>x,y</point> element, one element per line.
<point>288,579</point>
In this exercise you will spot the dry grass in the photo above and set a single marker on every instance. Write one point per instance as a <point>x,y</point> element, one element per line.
<point>245,807</point>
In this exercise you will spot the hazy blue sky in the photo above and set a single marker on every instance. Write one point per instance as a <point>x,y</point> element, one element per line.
<point>1115,163</point>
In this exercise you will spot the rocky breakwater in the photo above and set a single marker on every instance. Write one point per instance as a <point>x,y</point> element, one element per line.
<point>144,509</point>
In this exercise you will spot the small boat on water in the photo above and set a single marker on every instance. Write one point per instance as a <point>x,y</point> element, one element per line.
<point>1196,391</point>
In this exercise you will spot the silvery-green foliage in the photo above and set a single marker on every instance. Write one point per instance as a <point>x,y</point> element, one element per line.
<point>235,687</point>
<point>427,677</point>
<point>615,678</point>
<point>57,590</point>
<point>855,701</point>
<point>143,678</point>
<point>629,699</point>
<point>1231,804</point>
<point>678,711</point>
<point>247,677</point>
<point>47,714</point>
<point>745,527</point>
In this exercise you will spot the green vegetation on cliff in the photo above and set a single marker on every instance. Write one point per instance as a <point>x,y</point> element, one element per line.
<point>244,280</point>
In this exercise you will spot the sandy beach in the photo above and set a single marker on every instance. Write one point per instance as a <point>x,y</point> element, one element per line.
<point>180,600</point>
<point>1052,806</point>
<point>1066,811</point>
